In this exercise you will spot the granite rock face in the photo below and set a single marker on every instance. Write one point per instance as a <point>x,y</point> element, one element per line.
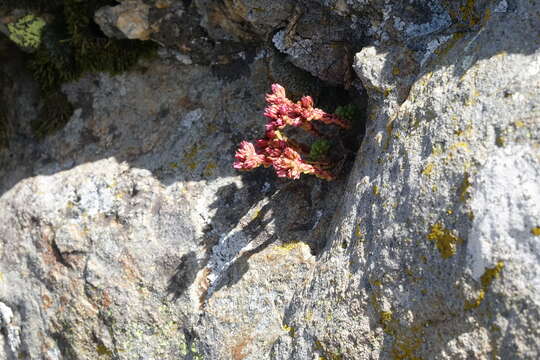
<point>127,234</point>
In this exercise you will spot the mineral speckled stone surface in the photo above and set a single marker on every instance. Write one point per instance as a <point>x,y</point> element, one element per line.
<point>128,235</point>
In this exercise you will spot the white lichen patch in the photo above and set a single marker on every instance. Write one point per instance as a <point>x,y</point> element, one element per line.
<point>11,331</point>
<point>502,6</point>
<point>506,206</point>
<point>300,47</point>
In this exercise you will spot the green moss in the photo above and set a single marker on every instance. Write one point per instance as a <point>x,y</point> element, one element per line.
<point>26,32</point>
<point>54,114</point>
<point>71,46</point>
<point>74,45</point>
<point>319,149</point>
<point>4,127</point>
<point>444,239</point>
<point>349,112</point>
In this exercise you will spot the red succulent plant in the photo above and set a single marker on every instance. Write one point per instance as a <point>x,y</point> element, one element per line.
<point>275,149</point>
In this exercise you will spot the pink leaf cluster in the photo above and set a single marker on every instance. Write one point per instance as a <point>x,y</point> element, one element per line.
<point>275,149</point>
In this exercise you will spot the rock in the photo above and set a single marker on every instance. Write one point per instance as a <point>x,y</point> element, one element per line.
<point>141,234</point>
<point>11,331</point>
<point>327,51</point>
<point>128,234</point>
<point>128,20</point>
<point>246,20</point>
<point>438,216</point>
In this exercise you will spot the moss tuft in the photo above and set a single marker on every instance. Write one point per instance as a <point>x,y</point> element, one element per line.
<point>71,46</point>
<point>54,114</point>
<point>319,150</point>
<point>350,112</point>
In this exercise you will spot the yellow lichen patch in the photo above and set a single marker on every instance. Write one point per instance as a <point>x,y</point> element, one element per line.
<point>467,132</point>
<point>26,32</point>
<point>189,157</point>
<point>288,329</point>
<point>309,315</point>
<point>437,150</point>
<point>173,165</point>
<point>102,350</point>
<point>459,145</point>
<point>468,13</point>
<point>212,128</point>
<point>328,355</point>
<point>386,317</point>
<point>256,214</point>
<point>290,246</point>
<point>487,16</point>
<point>376,190</point>
<point>476,302</point>
<point>389,130</point>
<point>472,98</point>
<point>358,233</point>
<point>395,70</point>
<point>535,231</point>
<point>422,82</point>
<point>491,274</point>
<point>209,169</point>
<point>406,346</point>
<point>445,240</point>
<point>486,279</point>
<point>519,124</point>
<point>428,169</point>
<point>406,340</point>
<point>464,188</point>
